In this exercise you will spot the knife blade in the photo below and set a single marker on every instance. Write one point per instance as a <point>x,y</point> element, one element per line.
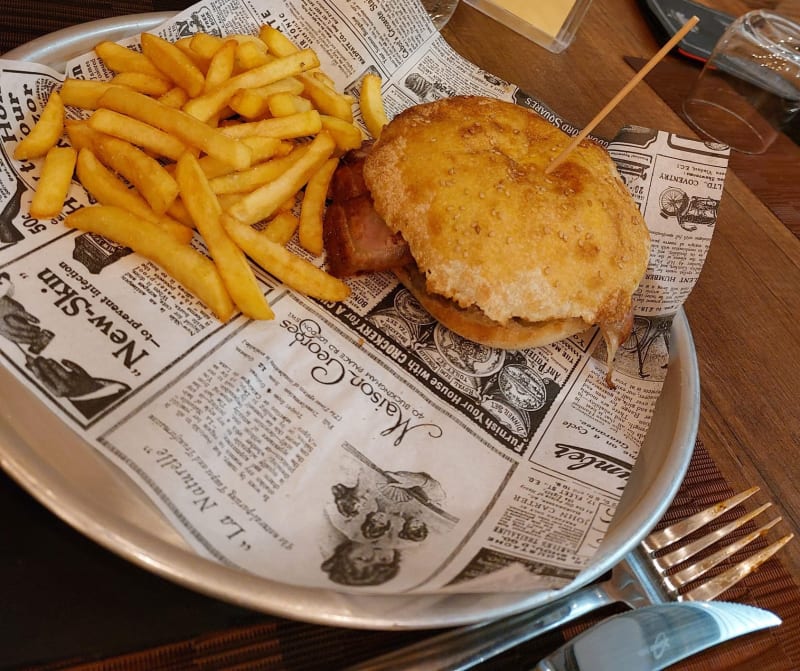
<point>654,637</point>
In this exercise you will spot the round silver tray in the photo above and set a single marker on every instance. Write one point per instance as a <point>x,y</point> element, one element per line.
<point>79,485</point>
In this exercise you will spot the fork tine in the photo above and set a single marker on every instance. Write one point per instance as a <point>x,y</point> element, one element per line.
<point>677,580</point>
<point>729,578</point>
<point>690,549</point>
<point>660,539</point>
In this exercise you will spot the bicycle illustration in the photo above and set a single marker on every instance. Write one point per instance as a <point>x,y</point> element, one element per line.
<point>690,212</point>
<point>649,341</point>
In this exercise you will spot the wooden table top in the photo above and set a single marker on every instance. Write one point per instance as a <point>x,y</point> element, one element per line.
<point>743,311</point>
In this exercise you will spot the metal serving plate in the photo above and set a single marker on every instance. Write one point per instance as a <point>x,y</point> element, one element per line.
<point>84,489</point>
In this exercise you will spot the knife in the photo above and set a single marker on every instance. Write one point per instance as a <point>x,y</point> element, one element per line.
<point>654,637</point>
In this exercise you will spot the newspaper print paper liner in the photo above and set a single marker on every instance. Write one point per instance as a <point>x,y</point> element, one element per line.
<point>82,487</point>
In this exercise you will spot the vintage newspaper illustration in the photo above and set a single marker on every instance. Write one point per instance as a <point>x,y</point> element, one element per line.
<point>355,445</point>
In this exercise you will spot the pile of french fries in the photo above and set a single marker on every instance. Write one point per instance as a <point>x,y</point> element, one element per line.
<point>221,137</point>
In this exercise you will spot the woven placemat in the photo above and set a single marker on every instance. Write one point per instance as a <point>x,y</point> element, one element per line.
<point>22,20</point>
<point>277,644</point>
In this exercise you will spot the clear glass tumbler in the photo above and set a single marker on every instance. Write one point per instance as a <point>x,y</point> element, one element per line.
<point>440,11</point>
<point>750,87</point>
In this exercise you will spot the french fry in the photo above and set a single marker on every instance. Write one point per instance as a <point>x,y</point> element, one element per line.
<point>231,262</point>
<point>269,126</point>
<point>325,98</point>
<point>372,107</point>
<point>265,200</point>
<point>183,126</point>
<point>246,181</point>
<point>277,43</point>
<point>289,268</point>
<point>195,272</point>
<point>250,55</point>
<point>205,106</point>
<point>289,203</point>
<point>205,45</point>
<point>80,134</point>
<point>281,227</point>
<point>137,132</point>
<point>296,125</point>
<point>173,63</point>
<point>185,45</point>
<point>286,85</point>
<point>249,104</point>
<point>54,181</point>
<point>254,103</point>
<point>345,134</point>
<point>176,98</point>
<point>313,207</point>
<point>220,68</point>
<point>121,59</point>
<point>253,40</point>
<point>45,132</point>
<point>263,148</point>
<point>83,93</point>
<point>221,118</point>
<point>227,200</point>
<point>144,172</point>
<point>286,104</point>
<point>179,212</point>
<point>107,189</point>
<point>139,81</point>
<point>327,80</point>
<point>266,147</point>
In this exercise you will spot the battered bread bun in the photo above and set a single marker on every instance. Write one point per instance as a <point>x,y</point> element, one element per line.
<point>527,257</point>
<point>473,324</point>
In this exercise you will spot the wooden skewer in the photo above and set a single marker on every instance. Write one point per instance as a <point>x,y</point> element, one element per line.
<point>677,37</point>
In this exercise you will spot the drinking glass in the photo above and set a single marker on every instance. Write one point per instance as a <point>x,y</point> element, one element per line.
<point>749,88</point>
<point>440,11</point>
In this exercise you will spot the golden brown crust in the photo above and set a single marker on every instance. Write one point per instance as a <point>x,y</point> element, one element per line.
<point>463,180</point>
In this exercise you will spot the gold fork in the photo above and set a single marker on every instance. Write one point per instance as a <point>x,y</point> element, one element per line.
<point>645,576</point>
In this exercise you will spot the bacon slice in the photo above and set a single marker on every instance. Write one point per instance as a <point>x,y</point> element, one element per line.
<point>356,239</point>
<point>348,181</point>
